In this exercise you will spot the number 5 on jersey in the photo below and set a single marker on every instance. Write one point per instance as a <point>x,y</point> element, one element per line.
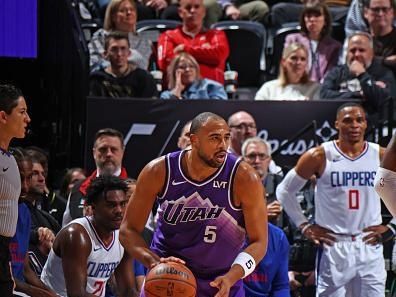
<point>210,234</point>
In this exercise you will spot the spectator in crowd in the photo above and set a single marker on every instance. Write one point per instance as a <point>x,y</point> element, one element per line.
<point>242,126</point>
<point>96,238</point>
<point>47,200</point>
<point>293,82</point>
<point>26,281</point>
<point>184,138</point>
<point>71,177</point>
<point>13,124</point>
<point>285,12</point>
<point>362,77</point>
<point>120,16</point>
<point>323,51</point>
<point>121,79</point>
<point>380,15</point>
<point>270,278</point>
<point>108,151</point>
<point>253,10</point>
<point>257,153</point>
<point>355,19</point>
<point>209,47</point>
<point>185,81</point>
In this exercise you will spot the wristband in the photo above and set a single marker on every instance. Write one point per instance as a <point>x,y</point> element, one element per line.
<point>306,226</point>
<point>246,261</point>
<point>392,227</point>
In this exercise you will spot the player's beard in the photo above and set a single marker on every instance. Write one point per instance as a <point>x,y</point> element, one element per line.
<point>211,162</point>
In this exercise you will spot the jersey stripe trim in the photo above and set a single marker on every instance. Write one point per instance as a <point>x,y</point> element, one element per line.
<point>349,158</point>
<point>107,248</point>
<point>231,185</point>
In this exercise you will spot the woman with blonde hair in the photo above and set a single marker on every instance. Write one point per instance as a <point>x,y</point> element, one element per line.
<point>185,81</point>
<point>121,15</point>
<point>293,82</point>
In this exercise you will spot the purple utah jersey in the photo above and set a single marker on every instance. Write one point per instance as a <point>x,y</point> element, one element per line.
<point>199,223</point>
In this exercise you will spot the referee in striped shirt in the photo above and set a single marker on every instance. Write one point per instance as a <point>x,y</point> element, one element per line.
<point>13,124</point>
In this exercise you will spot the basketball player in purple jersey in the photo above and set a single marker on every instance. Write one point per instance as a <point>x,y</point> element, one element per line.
<point>209,202</point>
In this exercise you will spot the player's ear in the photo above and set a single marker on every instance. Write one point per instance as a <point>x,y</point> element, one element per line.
<point>193,138</point>
<point>3,116</point>
<point>336,124</point>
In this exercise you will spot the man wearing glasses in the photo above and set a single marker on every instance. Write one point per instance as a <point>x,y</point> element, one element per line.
<point>243,126</point>
<point>257,153</point>
<point>121,79</point>
<point>380,15</point>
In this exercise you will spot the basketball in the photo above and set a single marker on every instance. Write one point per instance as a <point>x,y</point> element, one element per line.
<point>170,280</point>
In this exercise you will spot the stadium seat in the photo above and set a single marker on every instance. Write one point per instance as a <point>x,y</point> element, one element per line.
<point>151,29</point>
<point>247,42</point>
<point>278,43</point>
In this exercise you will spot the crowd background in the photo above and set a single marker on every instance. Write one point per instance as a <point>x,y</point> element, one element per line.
<point>56,83</point>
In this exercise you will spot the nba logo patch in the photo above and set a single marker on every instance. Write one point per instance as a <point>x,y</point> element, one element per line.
<point>382,182</point>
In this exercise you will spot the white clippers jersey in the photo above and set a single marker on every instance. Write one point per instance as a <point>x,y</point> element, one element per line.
<point>345,199</point>
<point>101,263</point>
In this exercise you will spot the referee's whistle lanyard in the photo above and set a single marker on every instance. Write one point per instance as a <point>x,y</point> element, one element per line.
<point>315,61</point>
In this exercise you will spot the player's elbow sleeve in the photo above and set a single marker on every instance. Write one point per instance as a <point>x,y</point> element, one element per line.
<point>385,185</point>
<point>286,194</point>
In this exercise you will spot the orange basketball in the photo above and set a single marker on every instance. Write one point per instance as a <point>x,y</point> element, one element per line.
<point>170,280</point>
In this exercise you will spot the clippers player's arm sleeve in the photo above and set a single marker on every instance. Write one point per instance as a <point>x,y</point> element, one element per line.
<point>71,239</point>
<point>254,209</point>
<point>149,184</point>
<point>125,277</point>
<point>385,179</point>
<point>308,165</point>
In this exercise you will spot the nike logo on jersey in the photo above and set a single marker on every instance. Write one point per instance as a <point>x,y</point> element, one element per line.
<point>337,160</point>
<point>175,183</point>
<point>97,248</point>
<point>5,169</point>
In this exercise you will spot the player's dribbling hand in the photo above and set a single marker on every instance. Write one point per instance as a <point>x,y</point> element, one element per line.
<point>223,284</point>
<point>319,235</point>
<point>375,236</point>
<point>168,259</point>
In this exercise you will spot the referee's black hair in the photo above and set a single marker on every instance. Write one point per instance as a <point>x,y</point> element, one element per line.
<point>101,185</point>
<point>9,96</point>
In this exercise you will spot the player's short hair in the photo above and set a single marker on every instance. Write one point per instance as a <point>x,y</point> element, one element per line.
<point>99,187</point>
<point>256,139</point>
<point>9,96</point>
<point>116,35</point>
<point>348,104</point>
<point>109,132</point>
<point>201,119</point>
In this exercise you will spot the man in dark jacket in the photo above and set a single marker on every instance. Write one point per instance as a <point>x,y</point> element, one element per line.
<point>362,77</point>
<point>121,79</point>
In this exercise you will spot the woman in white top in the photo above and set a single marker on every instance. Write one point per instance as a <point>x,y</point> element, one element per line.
<point>293,82</point>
